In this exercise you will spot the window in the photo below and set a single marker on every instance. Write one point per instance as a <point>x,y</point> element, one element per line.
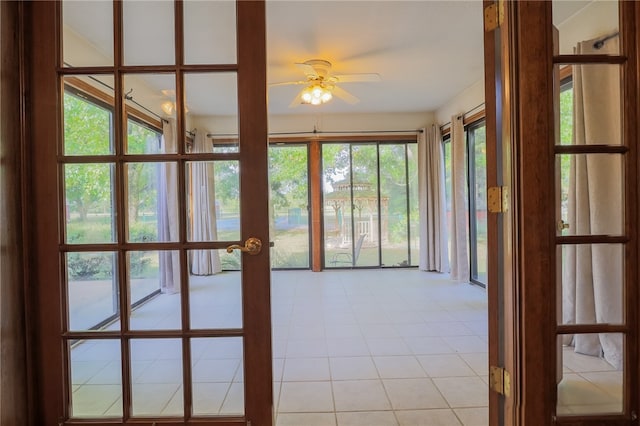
<point>90,212</point>
<point>476,175</point>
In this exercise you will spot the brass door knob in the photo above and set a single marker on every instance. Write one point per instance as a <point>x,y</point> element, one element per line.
<point>252,246</point>
<point>562,225</point>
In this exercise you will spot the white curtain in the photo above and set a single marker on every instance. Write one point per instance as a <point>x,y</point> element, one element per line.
<point>432,203</point>
<point>203,210</point>
<point>459,256</point>
<point>592,274</point>
<point>168,211</point>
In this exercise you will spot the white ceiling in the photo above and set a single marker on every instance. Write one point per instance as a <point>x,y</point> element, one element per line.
<point>426,52</point>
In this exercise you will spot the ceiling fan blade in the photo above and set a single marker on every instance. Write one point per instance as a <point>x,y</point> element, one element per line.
<point>339,92</point>
<point>296,101</point>
<point>288,83</point>
<point>352,78</point>
<point>307,69</point>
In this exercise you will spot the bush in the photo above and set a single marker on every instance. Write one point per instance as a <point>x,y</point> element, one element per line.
<point>89,266</point>
<point>138,264</point>
<point>142,232</point>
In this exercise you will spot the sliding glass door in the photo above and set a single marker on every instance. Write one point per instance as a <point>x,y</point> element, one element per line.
<point>477,161</point>
<point>370,204</point>
<point>476,175</point>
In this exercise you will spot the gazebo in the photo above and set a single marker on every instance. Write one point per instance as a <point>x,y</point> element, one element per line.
<point>364,202</point>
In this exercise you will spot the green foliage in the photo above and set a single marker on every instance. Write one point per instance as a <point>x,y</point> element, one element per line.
<point>87,131</point>
<point>140,265</point>
<point>227,183</point>
<point>143,191</point>
<point>566,136</point>
<point>143,232</point>
<point>95,229</point>
<point>87,127</point>
<point>288,176</point>
<point>141,139</point>
<point>479,158</point>
<point>88,187</point>
<point>335,162</point>
<point>89,266</point>
<point>141,176</point>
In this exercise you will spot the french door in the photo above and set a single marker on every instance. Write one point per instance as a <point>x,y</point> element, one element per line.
<point>136,322</point>
<point>565,132</point>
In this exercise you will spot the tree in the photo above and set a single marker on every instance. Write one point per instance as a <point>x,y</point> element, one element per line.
<point>141,176</point>
<point>87,131</point>
<point>288,176</point>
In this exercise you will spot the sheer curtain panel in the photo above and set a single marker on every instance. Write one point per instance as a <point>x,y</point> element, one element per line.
<point>459,256</point>
<point>432,204</point>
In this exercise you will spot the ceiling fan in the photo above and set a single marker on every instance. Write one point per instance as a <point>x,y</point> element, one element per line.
<point>322,85</point>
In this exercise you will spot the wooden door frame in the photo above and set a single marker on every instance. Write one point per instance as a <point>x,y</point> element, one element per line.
<point>15,382</point>
<point>531,39</point>
<point>521,324</point>
<point>43,84</point>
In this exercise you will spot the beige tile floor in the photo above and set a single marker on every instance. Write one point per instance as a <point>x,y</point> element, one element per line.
<point>368,347</point>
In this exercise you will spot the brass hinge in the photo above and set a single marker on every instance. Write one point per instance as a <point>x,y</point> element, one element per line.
<point>493,15</point>
<point>500,380</point>
<point>498,199</point>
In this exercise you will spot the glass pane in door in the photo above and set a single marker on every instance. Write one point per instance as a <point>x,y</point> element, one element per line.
<point>215,296</point>
<point>95,17</point>
<point>590,104</point>
<point>591,198</point>
<point>591,283</point>
<point>96,377</point>
<point>92,292</point>
<point>336,168</point>
<point>88,113</point>
<point>206,21</point>
<point>89,197</point>
<point>217,366</point>
<point>156,372</point>
<point>148,30</point>
<point>579,21</point>
<point>591,379</point>
<point>365,205</point>
<point>394,238</point>
<point>153,281</point>
<point>213,97</point>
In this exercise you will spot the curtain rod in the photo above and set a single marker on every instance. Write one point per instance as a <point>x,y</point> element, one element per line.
<point>598,44</point>
<point>464,114</point>
<point>127,95</point>
<point>319,132</point>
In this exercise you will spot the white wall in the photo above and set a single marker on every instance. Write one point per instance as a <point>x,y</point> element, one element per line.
<point>465,101</point>
<point>323,122</point>
<point>597,19</point>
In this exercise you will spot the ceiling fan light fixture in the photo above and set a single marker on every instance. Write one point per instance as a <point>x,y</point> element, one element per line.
<point>168,107</point>
<point>316,94</point>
